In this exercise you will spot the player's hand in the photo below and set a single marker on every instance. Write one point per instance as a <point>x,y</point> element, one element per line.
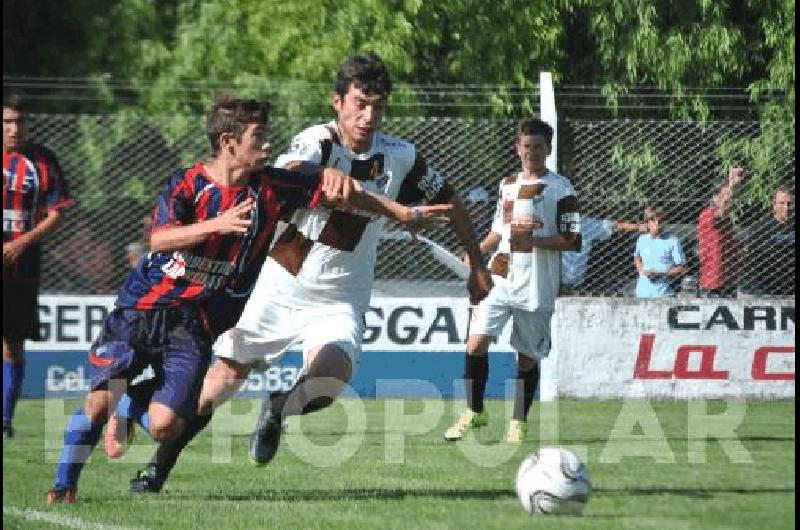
<point>11,252</point>
<point>422,217</point>
<point>479,284</point>
<point>337,186</point>
<point>735,176</point>
<point>235,220</point>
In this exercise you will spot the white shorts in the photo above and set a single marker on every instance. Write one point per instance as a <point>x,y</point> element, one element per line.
<point>530,335</point>
<point>269,326</point>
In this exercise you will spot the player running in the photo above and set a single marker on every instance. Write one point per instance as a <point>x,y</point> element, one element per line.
<point>315,287</point>
<point>213,224</point>
<point>536,218</point>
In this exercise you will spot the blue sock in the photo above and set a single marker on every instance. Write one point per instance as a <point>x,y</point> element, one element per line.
<point>13,374</point>
<point>129,408</point>
<point>79,440</point>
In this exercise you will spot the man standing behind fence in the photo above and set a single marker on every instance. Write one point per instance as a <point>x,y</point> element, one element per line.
<point>536,218</point>
<point>770,253</point>
<point>34,192</point>
<point>715,240</point>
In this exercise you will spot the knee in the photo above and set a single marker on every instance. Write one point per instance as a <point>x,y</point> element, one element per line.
<point>12,352</point>
<point>525,363</point>
<point>205,407</point>
<point>478,345</point>
<point>162,429</point>
<point>96,406</point>
<point>165,424</point>
<point>330,362</point>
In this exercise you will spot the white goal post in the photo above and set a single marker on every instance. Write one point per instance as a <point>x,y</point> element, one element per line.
<point>548,379</point>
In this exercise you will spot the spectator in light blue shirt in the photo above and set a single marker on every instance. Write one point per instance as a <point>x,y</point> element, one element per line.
<point>658,257</point>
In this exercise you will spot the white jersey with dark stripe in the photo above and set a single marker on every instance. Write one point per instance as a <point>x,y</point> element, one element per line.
<point>331,253</point>
<point>550,203</point>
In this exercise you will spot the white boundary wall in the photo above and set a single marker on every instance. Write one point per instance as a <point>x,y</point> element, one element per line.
<point>71,322</point>
<point>677,348</point>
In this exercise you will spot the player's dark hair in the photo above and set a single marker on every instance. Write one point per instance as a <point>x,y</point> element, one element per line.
<point>14,100</point>
<point>534,126</point>
<point>229,114</point>
<point>367,72</point>
<point>784,188</point>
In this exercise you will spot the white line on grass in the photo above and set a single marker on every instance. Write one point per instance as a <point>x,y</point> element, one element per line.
<point>58,519</point>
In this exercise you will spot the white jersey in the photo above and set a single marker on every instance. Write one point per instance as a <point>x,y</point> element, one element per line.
<point>532,274</point>
<point>331,253</point>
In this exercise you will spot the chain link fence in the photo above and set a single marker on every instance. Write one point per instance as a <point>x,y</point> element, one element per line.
<point>116,165</point>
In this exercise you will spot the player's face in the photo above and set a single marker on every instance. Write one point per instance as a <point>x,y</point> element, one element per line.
<point>13,128</point>
<point>358,115</point>
<point>253,149</point>
<point>782,205</point>
<point>532,150</point>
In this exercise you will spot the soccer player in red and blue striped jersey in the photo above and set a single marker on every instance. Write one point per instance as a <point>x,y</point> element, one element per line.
<point>212,227</point>
<point>34,193</point>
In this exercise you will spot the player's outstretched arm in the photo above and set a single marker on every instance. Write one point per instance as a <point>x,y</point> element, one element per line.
<point>340,189</point>
<point>235,220</point>
<point>418,216</point>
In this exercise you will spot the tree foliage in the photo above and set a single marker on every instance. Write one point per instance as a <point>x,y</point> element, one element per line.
<point>169,57</point>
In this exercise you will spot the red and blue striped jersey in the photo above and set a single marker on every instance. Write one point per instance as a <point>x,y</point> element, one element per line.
<point>223,261</point>
<point>33,183</point>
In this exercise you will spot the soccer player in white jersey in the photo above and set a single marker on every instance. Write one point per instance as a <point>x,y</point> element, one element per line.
<point>315,287</point>
<point>536,219</point>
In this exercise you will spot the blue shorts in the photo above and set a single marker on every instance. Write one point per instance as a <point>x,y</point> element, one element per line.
<point>175,342</point>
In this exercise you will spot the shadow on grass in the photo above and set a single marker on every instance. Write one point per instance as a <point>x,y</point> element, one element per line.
<point>300,495</point>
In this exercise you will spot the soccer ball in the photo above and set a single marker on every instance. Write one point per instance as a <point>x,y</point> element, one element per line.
<point>553,480</point>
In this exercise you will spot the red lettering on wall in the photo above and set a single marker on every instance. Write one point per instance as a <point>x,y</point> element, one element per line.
<point>760,364</point>
<point>642,368</point>
<point>706,370</point>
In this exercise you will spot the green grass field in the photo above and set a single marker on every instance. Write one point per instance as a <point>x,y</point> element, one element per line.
<point>394,479</point>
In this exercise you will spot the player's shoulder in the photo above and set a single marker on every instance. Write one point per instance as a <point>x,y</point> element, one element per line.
<point>315,134</point>
<point>558,179</point>
<point>509,180</point>
<point>387,142</point>
<point>183,176</point>
<point>310,141</point>
<point>46,153</point>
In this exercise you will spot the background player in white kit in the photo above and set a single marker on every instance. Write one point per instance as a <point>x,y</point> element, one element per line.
<point>315,287</point>
<point>536,218</point>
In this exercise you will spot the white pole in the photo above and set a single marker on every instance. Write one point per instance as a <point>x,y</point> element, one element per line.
<point>547,112</point>
<point>548,381</point>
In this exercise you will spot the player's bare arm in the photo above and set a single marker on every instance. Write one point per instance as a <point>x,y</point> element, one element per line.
<point>560,242</point>
<point>13,249</point>
<point>340,189</point>
<point>487,246</point>
<point>419,216</point>
<point>235,220</point>
<point>480,279</point>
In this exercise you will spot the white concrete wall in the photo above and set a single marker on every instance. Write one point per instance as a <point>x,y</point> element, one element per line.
<point>727,349</point>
